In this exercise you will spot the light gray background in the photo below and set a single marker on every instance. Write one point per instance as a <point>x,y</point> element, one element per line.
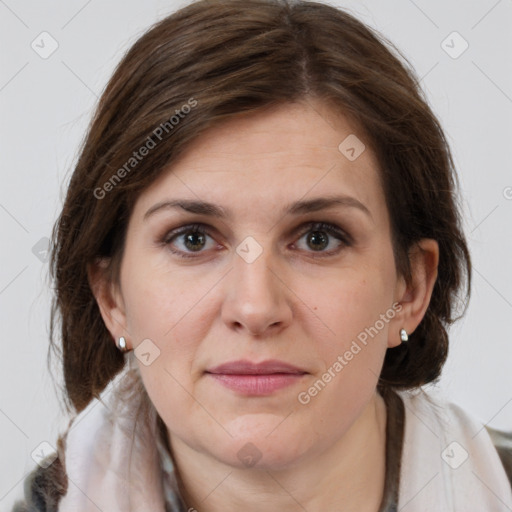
<point>47,103</point>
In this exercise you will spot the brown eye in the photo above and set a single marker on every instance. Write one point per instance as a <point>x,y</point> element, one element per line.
<point>194,241</point>
<point>317,240</point>
<point>320,236</point>
<point>189,239</point>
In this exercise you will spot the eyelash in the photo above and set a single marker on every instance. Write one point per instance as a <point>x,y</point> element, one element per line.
<point>331,229</point>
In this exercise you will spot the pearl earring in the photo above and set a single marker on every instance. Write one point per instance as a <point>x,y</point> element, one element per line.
<point>403,335</point>
<point>121,344</point>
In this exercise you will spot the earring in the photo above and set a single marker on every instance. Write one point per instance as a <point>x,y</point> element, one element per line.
<point>403,335</point>
<point>121,344</point>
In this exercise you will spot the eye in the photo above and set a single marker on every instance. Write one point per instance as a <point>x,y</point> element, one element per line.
<point>192,238</point>
<point>324,238</point>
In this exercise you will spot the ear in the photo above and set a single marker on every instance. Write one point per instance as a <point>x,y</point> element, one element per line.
<point>415,297</point>
<point>108,297</point>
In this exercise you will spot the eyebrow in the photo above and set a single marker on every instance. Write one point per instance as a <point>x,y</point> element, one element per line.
<point>295,208</point>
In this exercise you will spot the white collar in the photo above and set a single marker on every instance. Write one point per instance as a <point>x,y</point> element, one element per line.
<point>449,462</point>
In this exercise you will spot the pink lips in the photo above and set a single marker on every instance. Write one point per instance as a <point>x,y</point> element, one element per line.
<point>256,378</point>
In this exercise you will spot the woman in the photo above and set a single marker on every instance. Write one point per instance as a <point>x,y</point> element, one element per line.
<point>256,264</point>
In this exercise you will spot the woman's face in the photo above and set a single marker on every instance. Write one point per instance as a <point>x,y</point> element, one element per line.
<point>266,331</point>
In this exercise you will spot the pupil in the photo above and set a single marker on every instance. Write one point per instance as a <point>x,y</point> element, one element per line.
<point>318,240</point>
<point>194,241</point>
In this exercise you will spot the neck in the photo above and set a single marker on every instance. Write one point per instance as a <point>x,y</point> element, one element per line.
<point>349,476</point>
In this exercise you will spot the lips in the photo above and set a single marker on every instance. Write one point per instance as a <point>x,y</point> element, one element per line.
<point>243,367</point>
<point>256,379</point>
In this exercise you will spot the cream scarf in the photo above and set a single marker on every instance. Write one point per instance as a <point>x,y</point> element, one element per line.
<point>448,463</point>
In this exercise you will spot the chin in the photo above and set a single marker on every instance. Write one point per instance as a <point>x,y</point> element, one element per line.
<point>265,445</point>
<point>255,457</point>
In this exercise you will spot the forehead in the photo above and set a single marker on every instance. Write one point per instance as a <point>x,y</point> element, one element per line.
<point>258,162</point>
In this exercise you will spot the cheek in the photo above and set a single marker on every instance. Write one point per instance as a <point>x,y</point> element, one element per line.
<point>351,354</point>
<point>166,308</point>
<point>160,309</point>
<point>158,300</point>
<point>356,312</point>
<point>349,304</point>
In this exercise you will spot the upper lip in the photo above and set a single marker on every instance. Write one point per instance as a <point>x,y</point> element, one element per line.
<point>244,367</point>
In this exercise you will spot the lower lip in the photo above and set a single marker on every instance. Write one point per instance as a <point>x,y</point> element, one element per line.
<point>257,384</point>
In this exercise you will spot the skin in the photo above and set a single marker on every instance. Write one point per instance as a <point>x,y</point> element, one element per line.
<point>293,303</point>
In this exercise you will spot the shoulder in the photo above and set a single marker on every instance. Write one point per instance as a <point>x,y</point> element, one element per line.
<point>77,448</point>
<point>502,441</point>
<point>44,487</point>
<point>47,484</point>
<point>433,406</point>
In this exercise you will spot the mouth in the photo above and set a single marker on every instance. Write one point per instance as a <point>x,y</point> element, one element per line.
<point>256,379</point>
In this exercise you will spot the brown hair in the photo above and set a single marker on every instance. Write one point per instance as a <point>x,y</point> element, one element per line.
<point>214,60</point>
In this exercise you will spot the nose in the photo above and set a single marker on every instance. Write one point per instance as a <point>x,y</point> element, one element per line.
<point>257,299</point>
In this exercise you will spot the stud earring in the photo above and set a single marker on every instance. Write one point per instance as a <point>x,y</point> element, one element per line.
<point>403,335</point>
<point>121,344</point>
